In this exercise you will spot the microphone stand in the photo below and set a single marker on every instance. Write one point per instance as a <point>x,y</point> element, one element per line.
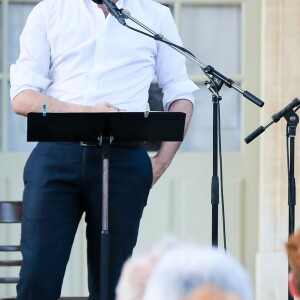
<point>292,121</point>
<point>216,98</point>
<point>215,83</point>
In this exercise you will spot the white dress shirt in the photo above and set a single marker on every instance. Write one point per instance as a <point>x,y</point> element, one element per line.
<point>70,51</point>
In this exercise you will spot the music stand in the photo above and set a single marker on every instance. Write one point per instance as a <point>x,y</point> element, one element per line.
<point>105,129</point>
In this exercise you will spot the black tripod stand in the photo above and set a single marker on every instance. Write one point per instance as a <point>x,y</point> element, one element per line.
<point>214,86</point>
<point>292,121</point>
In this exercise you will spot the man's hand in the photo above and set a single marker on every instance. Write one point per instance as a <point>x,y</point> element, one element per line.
<point>105,107</point>
<point>167,151</point>
<point>158,168</point>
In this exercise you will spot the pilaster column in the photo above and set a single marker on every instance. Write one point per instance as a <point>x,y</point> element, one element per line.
<point>280,84</point>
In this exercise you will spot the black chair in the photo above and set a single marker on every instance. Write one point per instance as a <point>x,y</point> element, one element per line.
<point>11,212</point>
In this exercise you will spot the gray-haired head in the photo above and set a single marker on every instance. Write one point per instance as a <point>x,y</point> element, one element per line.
<point>187,267</point>
<point>138,268</point>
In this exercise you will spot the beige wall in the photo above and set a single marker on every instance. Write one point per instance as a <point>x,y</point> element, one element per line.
<point>280,83</point>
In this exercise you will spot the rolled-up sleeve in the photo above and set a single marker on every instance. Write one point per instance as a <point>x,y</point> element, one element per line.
<point>171,69</point>
<point>31,69</point>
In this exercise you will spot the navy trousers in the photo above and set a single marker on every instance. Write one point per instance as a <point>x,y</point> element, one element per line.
<point>63,181</point>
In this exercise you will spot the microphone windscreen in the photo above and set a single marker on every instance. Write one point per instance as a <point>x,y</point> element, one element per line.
<point>98,1</point>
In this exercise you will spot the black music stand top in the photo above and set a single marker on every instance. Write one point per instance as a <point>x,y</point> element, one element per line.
<point>122,126</point>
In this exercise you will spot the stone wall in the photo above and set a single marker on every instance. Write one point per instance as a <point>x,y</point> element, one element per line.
<point>280,84</point>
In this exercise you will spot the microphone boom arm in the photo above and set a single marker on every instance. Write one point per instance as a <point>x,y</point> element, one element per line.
<point>207,69</point>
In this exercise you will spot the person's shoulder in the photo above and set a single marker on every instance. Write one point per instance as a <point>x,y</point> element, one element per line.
<point>151,4</point>
<point>148,9</point>
<point>53,8</point>
<point>51,5</point>
<point>47,5</point>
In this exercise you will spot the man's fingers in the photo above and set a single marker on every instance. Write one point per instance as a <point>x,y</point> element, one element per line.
<point>114,108</point>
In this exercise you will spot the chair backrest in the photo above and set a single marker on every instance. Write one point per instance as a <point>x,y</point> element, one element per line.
<point>10,212</point>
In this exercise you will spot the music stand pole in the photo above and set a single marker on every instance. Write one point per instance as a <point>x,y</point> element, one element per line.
<point>292,122</point>
<point>104,261</point>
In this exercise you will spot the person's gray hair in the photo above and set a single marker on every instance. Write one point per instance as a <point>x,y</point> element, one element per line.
<point>184,268</point>
<point>137,269</point>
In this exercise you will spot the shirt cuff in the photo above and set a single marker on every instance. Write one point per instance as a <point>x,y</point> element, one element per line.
<point>26,79</point>
<point>190,97</point>
<point>180,89</point>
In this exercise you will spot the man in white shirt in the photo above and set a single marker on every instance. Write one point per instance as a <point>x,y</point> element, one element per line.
<point>75,57</point>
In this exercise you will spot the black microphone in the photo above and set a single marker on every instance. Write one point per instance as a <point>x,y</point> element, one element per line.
<point>294,103</point>
<point>275,118</point>
<point>113,9</point>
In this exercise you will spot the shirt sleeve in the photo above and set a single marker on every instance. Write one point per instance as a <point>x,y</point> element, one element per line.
<point>170,65</point>
<point>32,67</point>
